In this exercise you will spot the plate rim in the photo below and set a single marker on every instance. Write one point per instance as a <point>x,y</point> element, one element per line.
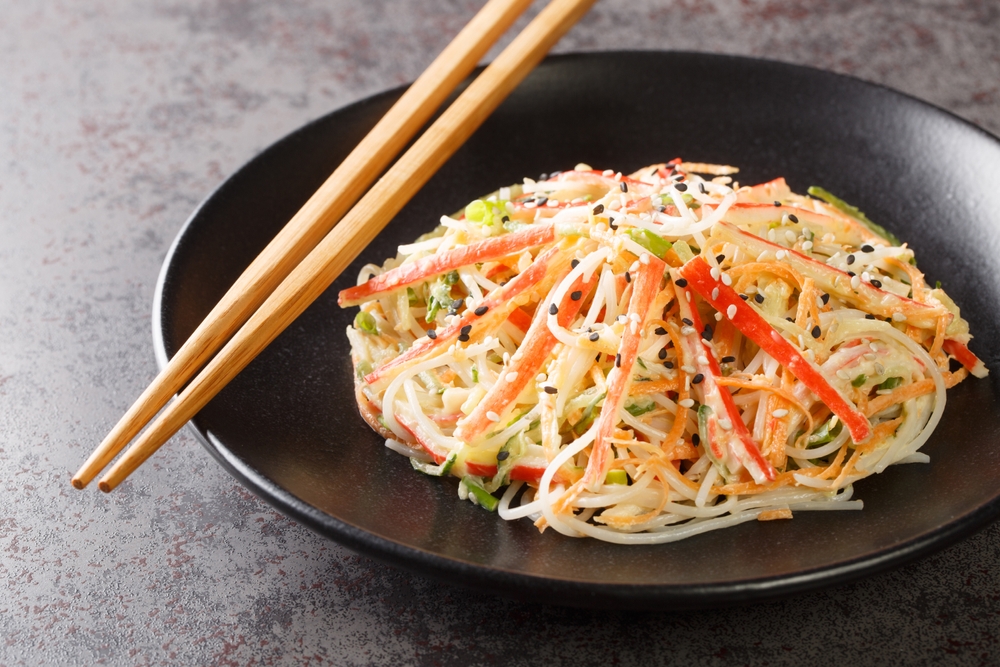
<point>521,585</point>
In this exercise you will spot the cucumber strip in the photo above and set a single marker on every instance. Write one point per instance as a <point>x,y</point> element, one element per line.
<point>854,212</point>
<point>435,470</point>
<point>482,496</point>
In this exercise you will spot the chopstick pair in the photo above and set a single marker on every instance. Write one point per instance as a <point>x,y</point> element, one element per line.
<point>310,252</point>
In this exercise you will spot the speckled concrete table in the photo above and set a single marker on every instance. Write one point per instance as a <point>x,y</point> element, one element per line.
<point>116,119</point>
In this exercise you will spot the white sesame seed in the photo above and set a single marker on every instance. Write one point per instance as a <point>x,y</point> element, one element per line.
<point>506,358</point>
<point>870,357</point>
<point>530,204</point>
<point>634,317</point>
<point>791,236</point>
<point>771,235</point>
<point>809,354</point>
<point>873,346</point>
<point>898,317</point>
<point>687,296</point>
<point>855,282</point>
<point>726,280</point>
<point>644,258</point>
<point>762,256</point>
<point>715,273</point>
<point>780,255</point>
<point>687,368</point>
<point>865,276</point>
<point>510,377</point>
<point>703,360</point>
<point>778,414</point>
<point>718,317</point>
<point>686,403</point>
<point>834,420</point>
<point>879,369</point>
<point>725,425</point>
<point>541,377</point>
<point>633,326</point>
<point>802,342</point>
<point>808,245</point>
<point>843,375</point>
<point>634,267</point>
<point>492,416</point>
<point>715,293</point>
<point>552,202</point>
<point>731,311</point>
<point>608,173</point>
<point>618,176</point>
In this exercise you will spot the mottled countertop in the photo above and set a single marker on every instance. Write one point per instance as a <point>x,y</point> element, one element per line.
<point>116,119</point>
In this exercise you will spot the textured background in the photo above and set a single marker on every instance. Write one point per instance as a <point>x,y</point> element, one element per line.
<point>116,119</point>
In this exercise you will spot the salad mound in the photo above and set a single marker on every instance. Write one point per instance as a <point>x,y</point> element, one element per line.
<point>643,358</point>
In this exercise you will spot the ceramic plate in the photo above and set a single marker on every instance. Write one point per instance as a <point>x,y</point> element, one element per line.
<point>288,428</point>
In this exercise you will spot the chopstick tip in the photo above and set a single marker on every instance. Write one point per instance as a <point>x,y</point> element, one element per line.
<point>77,483</point>
<point>104,486</point>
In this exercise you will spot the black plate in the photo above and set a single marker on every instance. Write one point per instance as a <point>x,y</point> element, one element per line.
<point>288,428</point>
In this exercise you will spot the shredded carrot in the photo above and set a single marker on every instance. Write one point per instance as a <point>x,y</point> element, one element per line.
<point>898,395</point>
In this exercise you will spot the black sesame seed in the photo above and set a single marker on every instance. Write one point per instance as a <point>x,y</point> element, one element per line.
<point>618,360</point>
<point>661,209</point>
<point>744,297</point>
<point>720,258</point>
<point>467,329</point>
<point>701,189</point>
<point>575,263</point>
<point>543,177</point>
<point>877,283</point>
<point>594,336</point>
<point>816,332</point>
<point>668,364</point>
<point>464,338</point>
<point>777,203</point>
<point>681,187</point>
<point>660,331</point>
<point>453,312</point>
<point>541,201</point>
<point>550,390</point>
<point>728,360</point>
<point>707,333</point>
<point>598,357</point>
<point>506,218</point>
<point>695,439</point>
<point>790,319</point>
<point>598,209</point>
<point>687,321</point>
<point>697,379</point>
<point>481,310</point>
<point>758,297</point>
<point>825,298</point>
<point>612,224</point>
<point>681,282</point>
<point>794,218</point>
<point>503,455</point>
<point>869,316</point>
<point>623,186</point>
<point>456,304</point>
<point>553,309</point>
<point>662,354</point>
<point>576,296</point>
<point>889,320</point>
<point>850,259</point>
<point>432,334</point>
<point>867,248</point>
<point>628,277</point>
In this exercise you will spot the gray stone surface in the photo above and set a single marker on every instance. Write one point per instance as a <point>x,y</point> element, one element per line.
<point>116,119</point>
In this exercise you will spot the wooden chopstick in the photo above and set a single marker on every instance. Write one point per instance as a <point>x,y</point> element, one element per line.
<point>316,217</point>
<point>368,217</point>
